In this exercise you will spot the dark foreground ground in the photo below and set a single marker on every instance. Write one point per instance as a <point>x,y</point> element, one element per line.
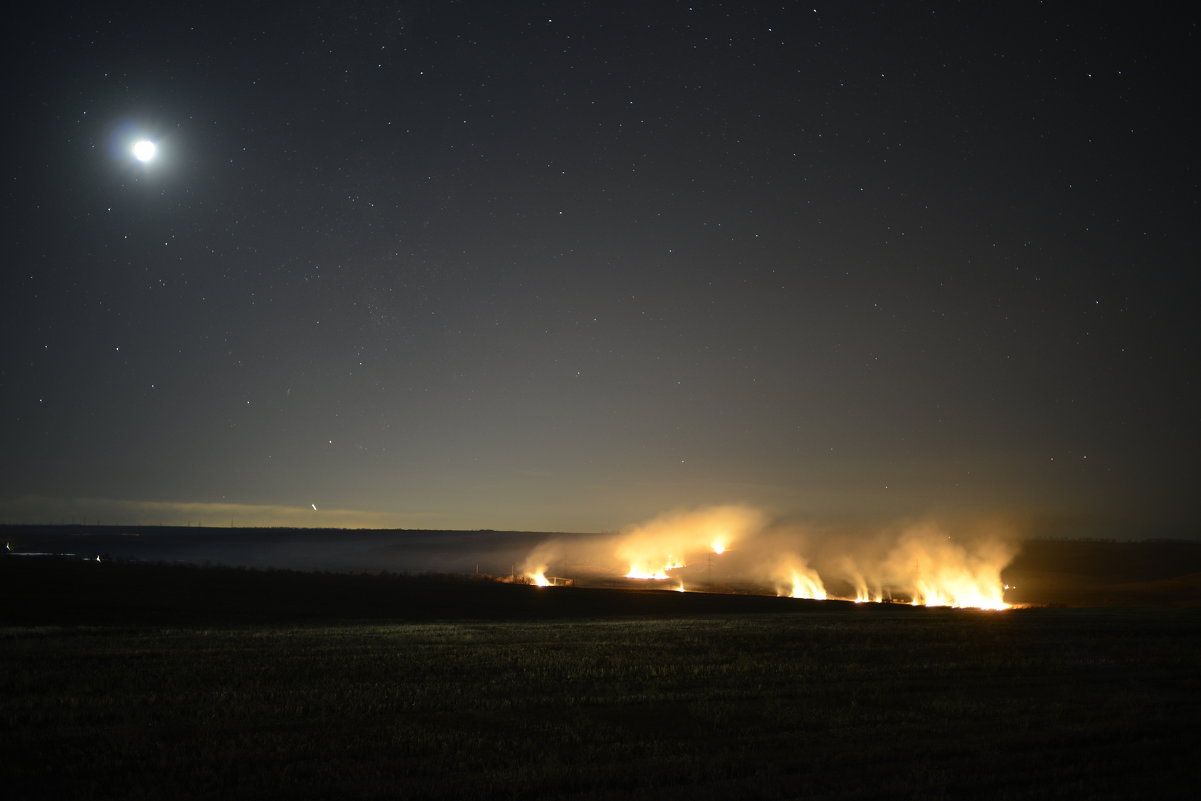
<point>650,701</point>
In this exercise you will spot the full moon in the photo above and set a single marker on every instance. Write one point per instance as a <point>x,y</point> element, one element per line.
<point>144,150</point>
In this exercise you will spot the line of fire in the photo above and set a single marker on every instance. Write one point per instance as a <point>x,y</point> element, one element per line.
<point>732,549</point>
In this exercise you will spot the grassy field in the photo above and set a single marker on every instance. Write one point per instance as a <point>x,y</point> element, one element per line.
<point>904,703</point>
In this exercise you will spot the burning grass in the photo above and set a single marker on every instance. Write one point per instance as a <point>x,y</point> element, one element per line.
<point>922,564</point>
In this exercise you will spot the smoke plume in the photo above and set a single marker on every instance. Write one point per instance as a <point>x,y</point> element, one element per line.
<point>740,549</point>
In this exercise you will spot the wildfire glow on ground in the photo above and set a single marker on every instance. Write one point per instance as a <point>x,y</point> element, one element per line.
<point>716,548</point>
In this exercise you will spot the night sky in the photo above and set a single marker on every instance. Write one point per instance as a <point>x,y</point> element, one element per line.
<point>565,266</point>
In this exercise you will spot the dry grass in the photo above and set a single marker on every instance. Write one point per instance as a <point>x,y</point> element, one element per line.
<point>1029,704</point>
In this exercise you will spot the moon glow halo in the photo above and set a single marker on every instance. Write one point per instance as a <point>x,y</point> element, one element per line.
<point>144,150</point>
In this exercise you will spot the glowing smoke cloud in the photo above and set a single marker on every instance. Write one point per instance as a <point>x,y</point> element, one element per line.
<point>650,550</point>
<point>795,579</point>
<point>921,564</point>
<point>669,541</point>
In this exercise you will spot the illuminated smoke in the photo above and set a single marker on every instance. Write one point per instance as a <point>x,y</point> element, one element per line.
<point>736,548</point>
<point>669,541</point>
<point>939,571</point>
<point>795,579</point>
<point>538,562</point>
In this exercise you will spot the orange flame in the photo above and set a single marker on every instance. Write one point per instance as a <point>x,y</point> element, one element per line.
<point>863,595</point>
<point>800,581</point>
<point>916,563</point>
<point>937,571</point>
<point>962,595</point>
<point>665,543</point>
<point>644,570</point>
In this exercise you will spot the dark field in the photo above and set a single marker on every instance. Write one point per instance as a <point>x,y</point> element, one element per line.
<point>655,701</point>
